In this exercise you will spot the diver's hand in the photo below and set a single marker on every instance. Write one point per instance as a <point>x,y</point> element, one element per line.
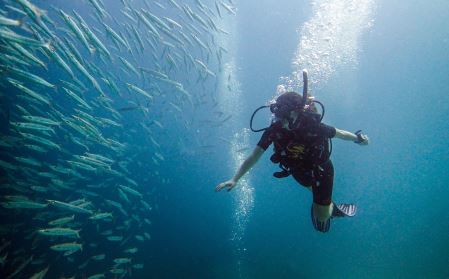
<point>227,184</point>
<point>362,139</point>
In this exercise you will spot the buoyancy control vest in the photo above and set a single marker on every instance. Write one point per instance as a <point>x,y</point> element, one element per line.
<point>302,147</point>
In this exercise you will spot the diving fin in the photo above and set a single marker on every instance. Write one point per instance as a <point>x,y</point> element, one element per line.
<point>344,210</point>
<point>318,225</point>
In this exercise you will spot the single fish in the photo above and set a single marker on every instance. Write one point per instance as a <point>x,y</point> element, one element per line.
<point>60,232</point>
<point>67,247</point>
<point>69,207</point>
<point>62,221</point>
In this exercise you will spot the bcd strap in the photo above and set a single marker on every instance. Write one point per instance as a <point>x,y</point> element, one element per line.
<point>281,174</point>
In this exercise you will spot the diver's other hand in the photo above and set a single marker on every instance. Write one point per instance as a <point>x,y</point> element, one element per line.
<point>363,139</point>
<point>227,184</point>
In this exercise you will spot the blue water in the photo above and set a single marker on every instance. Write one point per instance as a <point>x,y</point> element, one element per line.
<point>395,90</point>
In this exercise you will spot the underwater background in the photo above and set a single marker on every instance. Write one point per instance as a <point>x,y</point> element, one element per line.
<point>108,165</point>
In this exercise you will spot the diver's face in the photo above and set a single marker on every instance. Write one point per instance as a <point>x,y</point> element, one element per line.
<point>288,118</point>
<point>294,115</point>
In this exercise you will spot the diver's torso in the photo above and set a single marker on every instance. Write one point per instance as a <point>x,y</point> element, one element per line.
<point>304,146</point>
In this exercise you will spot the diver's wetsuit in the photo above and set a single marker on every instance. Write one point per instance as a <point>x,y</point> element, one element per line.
<point>305,153</point>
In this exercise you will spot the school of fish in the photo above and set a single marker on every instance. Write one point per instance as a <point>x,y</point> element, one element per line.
<point>87,90</point>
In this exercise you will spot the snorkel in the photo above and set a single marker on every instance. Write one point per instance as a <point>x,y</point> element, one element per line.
<point>308,105</point>
<point>305,88</point>
<point>282,110</point>
<point>308,111</point>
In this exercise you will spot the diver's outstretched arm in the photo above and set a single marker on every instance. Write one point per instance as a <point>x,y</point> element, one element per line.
<point>244,168</point>
<point>357,138</point>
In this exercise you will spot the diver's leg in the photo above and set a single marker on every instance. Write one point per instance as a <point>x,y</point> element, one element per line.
<point>323,206</point>
<point>322,197</point>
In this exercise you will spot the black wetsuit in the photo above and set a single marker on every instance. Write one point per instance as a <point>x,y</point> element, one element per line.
<point>304,152</point>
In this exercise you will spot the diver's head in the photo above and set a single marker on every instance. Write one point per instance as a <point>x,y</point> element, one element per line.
<point>286,104</point>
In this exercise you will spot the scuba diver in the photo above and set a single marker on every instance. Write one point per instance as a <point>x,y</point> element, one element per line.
<point>302,148</point>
